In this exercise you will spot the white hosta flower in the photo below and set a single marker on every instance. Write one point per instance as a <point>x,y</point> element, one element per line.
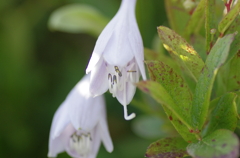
<point>79,125</point>
<point>117,59</point>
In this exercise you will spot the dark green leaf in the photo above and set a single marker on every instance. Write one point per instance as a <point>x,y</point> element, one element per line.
<point>203,90</point>
<point>219,144</point>
<point>167,148</point>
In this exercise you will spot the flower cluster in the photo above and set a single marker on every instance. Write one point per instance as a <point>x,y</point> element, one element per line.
<point>79,125</point>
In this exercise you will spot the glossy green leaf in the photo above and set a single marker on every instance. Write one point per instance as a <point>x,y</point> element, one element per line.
<point>78,18</point>
<point>224,115</point>
<point>167,148</point>
<point>181,51</point>
<point>201,98</point>
<point>177,15</point>
<point>169,89</point>
<point>209,23</point>
<point>219,144</point>
<point>195,19</point>
<point>229,18</point>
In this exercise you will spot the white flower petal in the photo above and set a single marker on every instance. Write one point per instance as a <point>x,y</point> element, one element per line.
<point>125,97</point>
<point>96,142</point>
<point>60,121</point>
<point>98,79</point>
<point>118,51</point>
<point>107,141</point>
<point>101,43</point>
<point>59,144</point>
<point>55,147</point>
<point>137,47</point>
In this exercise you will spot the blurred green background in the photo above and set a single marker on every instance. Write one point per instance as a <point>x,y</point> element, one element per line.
<point>38,68</point>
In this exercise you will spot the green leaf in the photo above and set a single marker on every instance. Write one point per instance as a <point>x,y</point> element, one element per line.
<point>233,81</point>
<point>78,18</point>
<point>224,115</point>
<point>209,23</point>
<point>234,28</point>
<point>195,19</point>
<point>219,144</point>
<point>177,15</point>
<point>153,55</point>
<point>229,18</point>
<point>167,148</point>
<point>199,43</point>
<point>203,90</point>
<point>169,89</point>
<point>181,51</point>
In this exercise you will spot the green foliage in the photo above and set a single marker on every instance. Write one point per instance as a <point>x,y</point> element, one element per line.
<point>177,15</point>
<point>181,51</point>
<point>224,115</point>
<point>210,22</point>
<point>203,90</point>
<point>167,147</point>
<point>195,20</point>
<point>169,89</point>
<point>207,123</point>
<point>220,143</point>
<point>229,18</point>
<point>78,18</point>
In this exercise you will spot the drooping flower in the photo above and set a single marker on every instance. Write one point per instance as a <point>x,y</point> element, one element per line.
<point>79,125</point>
<point>117,59</point>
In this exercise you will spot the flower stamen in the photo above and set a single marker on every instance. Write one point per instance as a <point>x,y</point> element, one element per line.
<point>81,143</point>
<point>118,71</point>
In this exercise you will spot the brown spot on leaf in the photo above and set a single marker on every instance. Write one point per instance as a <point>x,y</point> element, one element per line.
<point>197,131</point>
<point>224,145</point>
<point>238,53</point>
<point>170,118</point>
<point>145,89</point>
<point>180,122</point>
<point>191,130</point>
<point>213,140</point>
